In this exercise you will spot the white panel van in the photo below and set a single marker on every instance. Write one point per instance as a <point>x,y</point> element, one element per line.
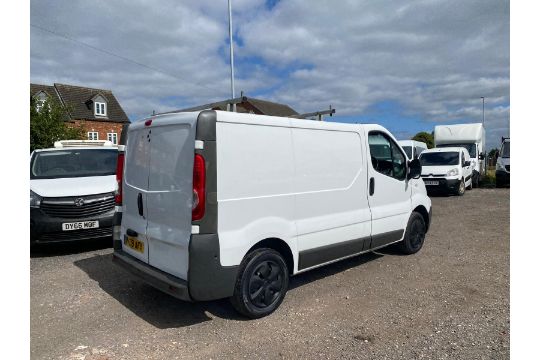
<point>412,148</point>
<point>221,204</point>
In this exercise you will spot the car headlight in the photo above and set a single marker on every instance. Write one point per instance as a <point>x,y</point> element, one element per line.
<point>452,172</point>
<point>35,199</point>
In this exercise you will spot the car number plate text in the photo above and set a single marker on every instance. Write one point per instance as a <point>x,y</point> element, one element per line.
<point>427,182</point>
<point>134,243</point>
<point>80,225</point>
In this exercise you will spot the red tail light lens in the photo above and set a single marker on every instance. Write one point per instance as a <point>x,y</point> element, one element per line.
<point>199,188</point>
<point>119,176</point>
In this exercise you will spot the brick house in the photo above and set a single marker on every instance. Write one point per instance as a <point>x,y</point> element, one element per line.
<point>97,110</point>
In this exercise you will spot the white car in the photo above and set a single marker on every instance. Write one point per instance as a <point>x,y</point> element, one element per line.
<point>446,169</point>
<point>72,191</point>
<point>222,204</point>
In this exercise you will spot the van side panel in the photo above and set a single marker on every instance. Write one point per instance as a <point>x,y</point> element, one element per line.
<point>255,186</point>
<point>332,212</point>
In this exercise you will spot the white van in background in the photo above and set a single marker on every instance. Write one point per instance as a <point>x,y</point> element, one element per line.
<point>446,170</point>
<point>412,148</point>
<point>72,191</point>
<point>502,167</point>
<point>470,136</point>
<point>222,204</point>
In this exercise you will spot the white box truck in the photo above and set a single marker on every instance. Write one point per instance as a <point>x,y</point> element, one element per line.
<point>228,205</point>
<point>470,136</point>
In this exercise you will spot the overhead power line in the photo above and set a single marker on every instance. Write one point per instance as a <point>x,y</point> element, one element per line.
<point>110,53</point>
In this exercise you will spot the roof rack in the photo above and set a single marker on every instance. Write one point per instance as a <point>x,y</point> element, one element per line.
<point>78,143</point>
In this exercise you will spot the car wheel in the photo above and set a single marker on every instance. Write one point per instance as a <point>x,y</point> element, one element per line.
<point>261,285</point>
<point>461,189</point>
<point>414,235</point>
<point>498,183</point>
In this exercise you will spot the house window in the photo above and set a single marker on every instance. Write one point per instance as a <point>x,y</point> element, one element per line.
<point>100,109</point>
<point>112,137</point>
<point>39,104</point>
<point>93,135</point>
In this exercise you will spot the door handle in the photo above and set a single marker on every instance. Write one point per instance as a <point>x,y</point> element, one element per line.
<point>130,232</point>
<point>371,186</point>
<point>140,204</point>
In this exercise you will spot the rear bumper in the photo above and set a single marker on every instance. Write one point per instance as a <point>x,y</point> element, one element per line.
<point>445,185</point>
<point>160,280</point>
<point>207,279</point>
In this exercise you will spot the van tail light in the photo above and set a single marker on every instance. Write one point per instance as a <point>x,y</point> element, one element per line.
<point>199,188</point>
<point>119,176</point>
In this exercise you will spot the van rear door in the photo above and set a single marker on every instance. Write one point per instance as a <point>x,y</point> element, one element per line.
<point>135,187</point>
<point>170,192</point>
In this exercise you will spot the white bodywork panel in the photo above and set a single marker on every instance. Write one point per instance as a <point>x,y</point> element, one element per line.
<point>391,201</point>
<point>463,133</point>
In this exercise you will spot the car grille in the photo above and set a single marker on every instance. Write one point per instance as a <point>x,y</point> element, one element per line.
<point>76,235</point>
<point>66,207</point>
<point>434,175</point>
<point>507,168</point>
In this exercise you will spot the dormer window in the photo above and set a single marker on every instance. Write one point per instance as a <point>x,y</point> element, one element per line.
<point>100,108</point>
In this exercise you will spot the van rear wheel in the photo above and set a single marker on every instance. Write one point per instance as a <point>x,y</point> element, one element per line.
<point>414,234</point>
<point>261,285</point>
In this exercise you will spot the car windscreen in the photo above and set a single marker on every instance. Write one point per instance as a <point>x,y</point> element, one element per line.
<point>471,147</point>
<point>67,163</point>
<point>505,151</point>
<point>439,158</point>
<point>408,151</point>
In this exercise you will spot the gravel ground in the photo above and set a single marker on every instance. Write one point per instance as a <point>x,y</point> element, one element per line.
<point>451,300</point>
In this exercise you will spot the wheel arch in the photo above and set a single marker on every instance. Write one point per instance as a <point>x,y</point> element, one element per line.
<point>425,214</point>
<point>281,247</point>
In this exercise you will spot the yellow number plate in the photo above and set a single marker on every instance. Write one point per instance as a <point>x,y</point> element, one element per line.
<point>135,244</point>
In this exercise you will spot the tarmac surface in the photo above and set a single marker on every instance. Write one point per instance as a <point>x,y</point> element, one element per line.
<point>450,300</point>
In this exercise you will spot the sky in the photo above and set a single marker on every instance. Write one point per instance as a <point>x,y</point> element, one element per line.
<point>405,65</point>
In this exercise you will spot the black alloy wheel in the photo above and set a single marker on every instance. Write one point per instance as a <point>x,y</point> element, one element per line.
<point>262,283</point>
<point>414,235</point>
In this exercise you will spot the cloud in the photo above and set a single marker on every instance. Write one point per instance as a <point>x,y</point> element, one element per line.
<point>433,58</point>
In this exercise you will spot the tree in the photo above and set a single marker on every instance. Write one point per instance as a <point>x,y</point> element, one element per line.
<point>424,137</point>
<point>48,124</point>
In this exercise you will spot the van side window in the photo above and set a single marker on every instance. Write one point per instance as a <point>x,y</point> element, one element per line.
<point>386,157</point>
<point>462,158</point>
<point>419,151</point>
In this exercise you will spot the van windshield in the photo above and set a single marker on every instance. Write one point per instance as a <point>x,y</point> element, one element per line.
<point>439,158</point>
<point>408,151</point>
<point>505,151</point>
<point>471,147</point>
<point>67,163</point>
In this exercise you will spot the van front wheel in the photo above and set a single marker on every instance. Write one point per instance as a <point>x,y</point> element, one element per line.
<point>414,234</point>
<point>261,285</point>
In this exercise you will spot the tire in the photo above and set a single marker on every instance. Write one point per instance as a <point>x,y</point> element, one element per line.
<point>262,283</point>
<point>415,235</point>
<point>461,189</point>
<point>498,183</point>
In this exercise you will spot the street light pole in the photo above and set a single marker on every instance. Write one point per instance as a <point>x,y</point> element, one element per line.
<point>232,56</point>
<point>483,118</point>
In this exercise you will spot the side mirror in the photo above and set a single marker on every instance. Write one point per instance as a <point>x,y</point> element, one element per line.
<point>415,169</point>
<point>466,163</point>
